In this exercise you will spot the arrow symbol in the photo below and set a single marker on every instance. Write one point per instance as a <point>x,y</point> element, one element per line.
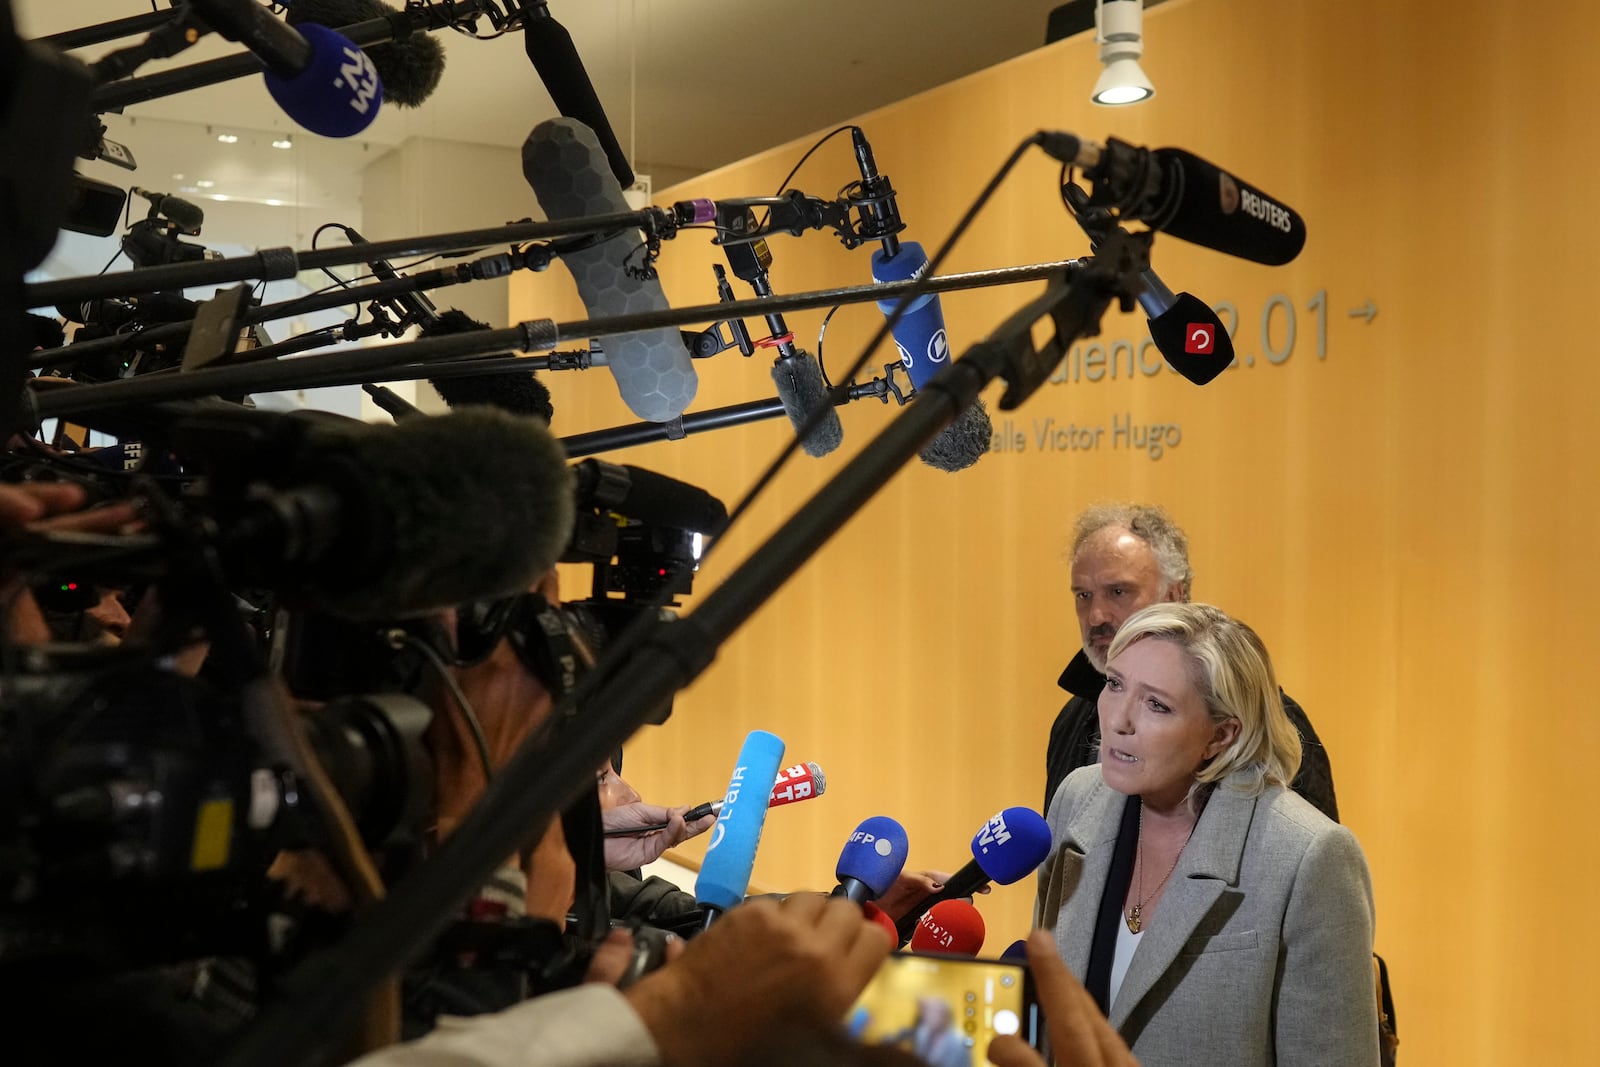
<point>1368,311</point>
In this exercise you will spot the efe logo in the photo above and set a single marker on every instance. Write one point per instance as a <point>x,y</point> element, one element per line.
<point>1199,339</point>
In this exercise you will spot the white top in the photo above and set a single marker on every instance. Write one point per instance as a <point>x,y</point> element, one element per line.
<point>1127,945</point>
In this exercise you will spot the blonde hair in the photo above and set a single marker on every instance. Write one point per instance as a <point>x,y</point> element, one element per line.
<point>1233,673</point>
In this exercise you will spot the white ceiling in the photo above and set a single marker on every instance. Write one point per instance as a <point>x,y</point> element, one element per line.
<point>688,84</point>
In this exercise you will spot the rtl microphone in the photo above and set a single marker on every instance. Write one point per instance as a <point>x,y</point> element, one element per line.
<point>564,164</point>
<point>871,860</point>
<point>1006,848</point>
<point>1186,330</point>
<point>725,872</point>
<point>803,781</point>
<point>320,78</point>
<point>1177,192</point>
<point>951,927</point>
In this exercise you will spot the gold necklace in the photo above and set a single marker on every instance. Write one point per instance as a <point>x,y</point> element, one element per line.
<point>1134,916</point>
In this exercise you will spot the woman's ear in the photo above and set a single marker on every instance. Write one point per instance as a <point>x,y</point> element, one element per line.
<point>1222,736</point>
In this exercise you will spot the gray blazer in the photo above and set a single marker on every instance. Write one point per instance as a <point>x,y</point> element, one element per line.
<point>1259,953</point>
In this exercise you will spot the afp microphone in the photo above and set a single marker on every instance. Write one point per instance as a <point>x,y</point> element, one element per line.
<point>1177,192</point>
<point>725,872</point>
<point>952,927</point>
<point>320,78</point>
<point>564,164</point>
<point>871,860</point>
<point>1008,847</point>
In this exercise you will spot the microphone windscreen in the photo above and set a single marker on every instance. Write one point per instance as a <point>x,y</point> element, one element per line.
<point>409,67</point>
<point>802,390</point>
<point>1218,211</point>
<point>1016,952</point>
<point>338,94</point>
<point>563,163</point>
<point>1011,845</point>
<point>725,873</point>
<point>800,782</point>
<point>962,443</point>
<point>875,854</point>
<point>467,506</point>
<point>519,392</point>
<point>876,914</point>
<point>950,926</point>
<point>1192,339</point>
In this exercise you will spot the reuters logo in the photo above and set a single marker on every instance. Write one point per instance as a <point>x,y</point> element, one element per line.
<point>1228,193</point>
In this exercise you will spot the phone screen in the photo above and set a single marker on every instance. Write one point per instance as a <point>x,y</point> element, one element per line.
<point>945,1009</point>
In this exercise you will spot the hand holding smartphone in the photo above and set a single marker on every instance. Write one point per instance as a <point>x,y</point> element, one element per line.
<point>946,1009</point>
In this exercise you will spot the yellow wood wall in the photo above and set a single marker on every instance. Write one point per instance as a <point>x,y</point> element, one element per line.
<point>1407,515</point>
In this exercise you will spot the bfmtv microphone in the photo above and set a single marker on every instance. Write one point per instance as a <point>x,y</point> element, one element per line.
<point>320,78</point>
<point>725,872</point>
<point>924,351</point>
<point>567,169</point>
<point>952,927</point>
<point>871,860</point>
<point>1006,848</point>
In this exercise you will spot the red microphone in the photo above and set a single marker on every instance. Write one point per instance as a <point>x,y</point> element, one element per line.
<point>792,785</point>
<point>950,927</point>
<point>877,915</point>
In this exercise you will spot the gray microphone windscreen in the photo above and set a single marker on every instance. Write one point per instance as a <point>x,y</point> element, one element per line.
<point>802,390</point>
<point>962,443</point>
<point>564,163</point>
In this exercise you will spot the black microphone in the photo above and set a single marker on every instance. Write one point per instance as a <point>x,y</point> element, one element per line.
<point>372,521</point>
<point>186,216</point>
<point>1188,333</point>
<point>556,59</point>
<point>519,392</point>
<point>1177,192</point>
<point>565,167</point>
<point>795,372</point>
<point>409,66</point>
<point>647,496</point>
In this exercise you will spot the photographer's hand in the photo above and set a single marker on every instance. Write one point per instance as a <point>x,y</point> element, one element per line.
<point>802,960</point>
<point>1079,1035</point>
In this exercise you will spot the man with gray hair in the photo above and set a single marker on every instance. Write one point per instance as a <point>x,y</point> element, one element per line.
<point>1126,557</point>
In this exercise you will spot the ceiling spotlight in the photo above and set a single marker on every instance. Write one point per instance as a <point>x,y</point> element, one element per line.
<point>282,142</point>
<point>228,138</point>
<point>204,183</point>
<point>1119,28</point>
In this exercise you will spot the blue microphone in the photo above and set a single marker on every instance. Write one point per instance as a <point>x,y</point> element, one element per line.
<point>924,352</point>
<point>871,860</point>
<point>919,335</point>
<point>1007,848</point>
<point>336,94</point>
<point>725,872</point>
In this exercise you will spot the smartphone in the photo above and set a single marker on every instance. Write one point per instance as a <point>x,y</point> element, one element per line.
<point>946,1009</point>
